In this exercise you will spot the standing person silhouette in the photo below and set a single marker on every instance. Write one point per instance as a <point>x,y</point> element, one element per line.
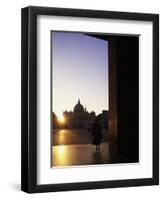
<point>97,133</point>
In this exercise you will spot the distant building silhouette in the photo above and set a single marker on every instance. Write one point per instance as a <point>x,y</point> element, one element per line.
<point>104,118</point>
<point>54,121</point>
<point>80,118</point>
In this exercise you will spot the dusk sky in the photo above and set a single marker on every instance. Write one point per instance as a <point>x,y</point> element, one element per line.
<point>79,70</point>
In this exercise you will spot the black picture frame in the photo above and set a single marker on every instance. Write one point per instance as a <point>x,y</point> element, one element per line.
<point>29,99</point>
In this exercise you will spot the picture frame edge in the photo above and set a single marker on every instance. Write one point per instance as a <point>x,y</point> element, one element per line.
<point>29,129</point>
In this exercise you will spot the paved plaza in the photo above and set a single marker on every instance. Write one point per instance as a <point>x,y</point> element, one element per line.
<point>75,136</point>
<point>84,154</point>
<point>73,147</point>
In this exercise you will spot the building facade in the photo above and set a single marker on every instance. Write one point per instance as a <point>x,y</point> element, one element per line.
<point>80,118</point>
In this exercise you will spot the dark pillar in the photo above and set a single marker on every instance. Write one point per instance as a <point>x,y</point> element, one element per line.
<point>128,97</point>
<point>113,131</point>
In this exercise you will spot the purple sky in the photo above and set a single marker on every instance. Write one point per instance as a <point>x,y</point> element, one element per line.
<point>80,70</point>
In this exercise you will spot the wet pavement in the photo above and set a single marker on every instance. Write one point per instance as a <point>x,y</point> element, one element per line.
<point>80,154</point>
<point>74,136</point>
<point>73,147</point>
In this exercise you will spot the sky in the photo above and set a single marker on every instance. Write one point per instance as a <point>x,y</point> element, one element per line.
<point>79,71</point>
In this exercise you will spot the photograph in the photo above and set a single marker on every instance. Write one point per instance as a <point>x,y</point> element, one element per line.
<point>80,97</point>
<point>90,99</point>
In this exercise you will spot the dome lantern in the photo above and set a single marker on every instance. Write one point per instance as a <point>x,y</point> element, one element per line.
<point>78,107</point>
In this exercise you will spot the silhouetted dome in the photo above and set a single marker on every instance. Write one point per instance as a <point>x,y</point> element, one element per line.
<point>78,107</point>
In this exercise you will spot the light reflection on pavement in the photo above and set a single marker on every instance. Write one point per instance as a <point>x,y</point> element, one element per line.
<point>74,136</point>
<point>84,154</point>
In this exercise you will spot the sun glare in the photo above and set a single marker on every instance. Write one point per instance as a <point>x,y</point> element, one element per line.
<point>61,120</point>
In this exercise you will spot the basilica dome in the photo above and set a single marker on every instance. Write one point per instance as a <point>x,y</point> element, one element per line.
<point>78,107</point>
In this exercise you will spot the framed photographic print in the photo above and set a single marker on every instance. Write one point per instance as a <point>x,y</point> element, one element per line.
<point>90,99</point>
